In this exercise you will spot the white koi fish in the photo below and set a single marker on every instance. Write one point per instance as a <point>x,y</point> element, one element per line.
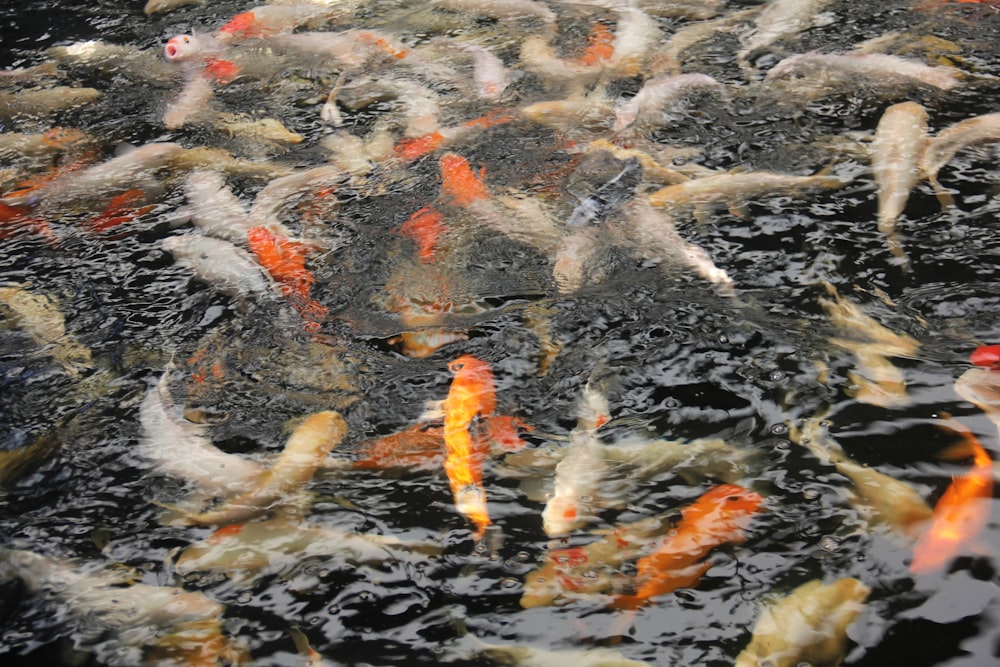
<point>227,268</point>
<point>779,20</point>
<point>503,9</point>
<point>147,623</point>
<point>181,448</point>
<point>192,100</point>
<point>945,144</point>
<point>488,72</point>
<point>656,96</point>
<point>44,102</point>
<point>807,626</point>
<point>270,201</point>
<point>895,157</point>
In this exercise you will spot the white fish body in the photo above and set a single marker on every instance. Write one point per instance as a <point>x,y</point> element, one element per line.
<point>896,149</point>
<point>529,656</point>
<point>779,20</point>
<point>181,449</point>
<point>226,267</point>
<point>272,198</point>
<point>657,93</point>
<point>489,73</point>
<point>135,169</point>
<point>808,626</point>
<point>190,102</point>
<point>945,144</point>
<point>502,9</point>
<point>635,36</point>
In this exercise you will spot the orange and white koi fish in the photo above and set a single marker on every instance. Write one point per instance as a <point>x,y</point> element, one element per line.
<point>577,486</point>
<point>959,515</point>
<point>193,47</point>
<point>720,516</point>
<point>807,627</point>
<point>304,451</point>
<point>472,393</point>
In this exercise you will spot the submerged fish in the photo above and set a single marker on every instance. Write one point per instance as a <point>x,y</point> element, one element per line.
<point>38,315</point>
<point>959,515</point>
<point>248,550</point>
<point>721,515</point>
<point>303,453</point>
<point>942,147</point>
<point>808,626</point>
<point>472,393</point>
<point>226,267</point>
<point>147,624</point>
<point>609,196</point>
<point>899,142</point>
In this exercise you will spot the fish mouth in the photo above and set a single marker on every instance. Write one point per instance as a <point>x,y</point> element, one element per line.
<point>170,50</point>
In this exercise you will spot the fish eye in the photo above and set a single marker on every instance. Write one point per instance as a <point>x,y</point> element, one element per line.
<point>187,40</point>
<point>733,499</point>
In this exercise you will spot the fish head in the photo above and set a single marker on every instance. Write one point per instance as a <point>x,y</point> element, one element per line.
<point>181,47</point>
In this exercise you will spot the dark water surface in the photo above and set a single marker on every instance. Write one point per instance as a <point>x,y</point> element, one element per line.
<point>690,360</point>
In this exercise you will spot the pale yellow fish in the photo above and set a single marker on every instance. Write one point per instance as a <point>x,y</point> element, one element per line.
<point>39,316</point>
<point>943,146</point>
<point>808,626</point>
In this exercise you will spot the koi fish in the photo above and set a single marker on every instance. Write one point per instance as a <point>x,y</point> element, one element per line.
<point>656,96</point>
<point>959,515</point>
<point>896,152</point>
<point>719,516</point>
<point>460,185</point>
<point>609,196</point>
<point>227,268</point>
<point>942,147</point>
<point>304,450</point>
<point>285,261</point>
<point>808,626</point>
<point>191,102</point>
<point>39,316</point>
<point>981,387</point>
<point>245,551</point>
<point>987,356</point>
<point>411,148</point>
<point>532,656</point>
<point>44,102</point>
<point>503,9</point>
<point>779,20</point>
<point>425,227</point>
<point>185,48</point>
<point>472,393</point>
<point>123,208</point>
<point>892,502</point>
<point>270,20</point>
<point>180,448</point>
<point>166,623</point>
<point>271,200</point>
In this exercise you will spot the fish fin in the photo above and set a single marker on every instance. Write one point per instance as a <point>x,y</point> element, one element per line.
<point>703,213</point>
<point>433,411</point>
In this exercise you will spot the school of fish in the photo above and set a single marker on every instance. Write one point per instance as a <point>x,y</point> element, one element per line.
<point>369,260</point>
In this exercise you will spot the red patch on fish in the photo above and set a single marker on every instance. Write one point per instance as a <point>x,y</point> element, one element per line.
<point>460,185</point>
<point>223,71</point>
<point>987,356</point>
<point>425,227</point>
<point>244,24</point>
<point>120,210</point>
<point>419,447</point>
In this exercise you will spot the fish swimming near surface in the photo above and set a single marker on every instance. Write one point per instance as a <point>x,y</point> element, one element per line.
<point>806,627</point>
<point>943,146</point>
<point>148,625</point>
<point>472,393</point>
<point>227,268</point>
<point>896,152</point>
<point>959,515</point>
<point>720,516</point>
<point>39,316</point>
<point>303,453</point>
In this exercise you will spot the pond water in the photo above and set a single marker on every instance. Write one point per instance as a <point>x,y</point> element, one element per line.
<point>695,322</point>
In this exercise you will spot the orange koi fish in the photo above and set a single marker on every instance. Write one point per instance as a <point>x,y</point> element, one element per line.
<point>15,219</point>
<point>719,516</point>
<point>472,393</point>
<point>460,185</point>
<point>412,148</point>
<point>959,515</point>
<point>120,210</point>
<point>285,260</point>
<point>987,356</point>
<point>425,227</point>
